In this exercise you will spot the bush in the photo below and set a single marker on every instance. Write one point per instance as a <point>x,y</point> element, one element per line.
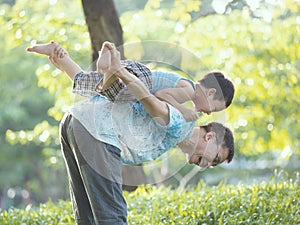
<point>265,203</point>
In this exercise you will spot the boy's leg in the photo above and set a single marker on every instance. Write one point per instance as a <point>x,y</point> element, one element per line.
<point>44,49</point>
<point>118,91</point>
<point>65,64</point>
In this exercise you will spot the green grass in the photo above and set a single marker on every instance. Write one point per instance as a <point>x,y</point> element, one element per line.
<point>264,203</point>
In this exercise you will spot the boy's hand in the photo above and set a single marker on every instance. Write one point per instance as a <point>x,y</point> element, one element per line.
<point>188,114</point>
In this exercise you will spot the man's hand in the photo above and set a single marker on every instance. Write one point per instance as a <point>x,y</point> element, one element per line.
<point>57,54</point>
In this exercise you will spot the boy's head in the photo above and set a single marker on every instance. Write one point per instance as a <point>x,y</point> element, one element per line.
<point>224,89</point>
<point>213,93</point>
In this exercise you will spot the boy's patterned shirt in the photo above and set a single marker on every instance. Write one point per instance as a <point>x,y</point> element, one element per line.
<point>89,84</point>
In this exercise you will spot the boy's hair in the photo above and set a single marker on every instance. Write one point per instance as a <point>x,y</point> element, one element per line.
<point>224,87</point>
<point>224,137</point>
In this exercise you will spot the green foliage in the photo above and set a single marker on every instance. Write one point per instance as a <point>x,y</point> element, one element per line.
<point>34,96</point>
<point>262,60</point>
<point>265,203</point>
<point>260,54</point>
<point>48,213</point>
<point>23,21</point>
<point>22,105</point>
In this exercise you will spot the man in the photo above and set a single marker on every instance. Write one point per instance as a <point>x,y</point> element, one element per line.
<point>92,149</point>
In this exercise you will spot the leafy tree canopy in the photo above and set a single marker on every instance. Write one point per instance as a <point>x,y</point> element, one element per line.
<point>258,50</point>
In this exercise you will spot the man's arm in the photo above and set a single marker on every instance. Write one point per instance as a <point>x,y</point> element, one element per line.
<point>65,64</point>
<point>84,83</point>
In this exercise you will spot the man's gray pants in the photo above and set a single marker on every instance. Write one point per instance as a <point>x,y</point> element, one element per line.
<point>94,172</point>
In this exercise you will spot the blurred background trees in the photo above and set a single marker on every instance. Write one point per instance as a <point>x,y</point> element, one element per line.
<point>255,43</point>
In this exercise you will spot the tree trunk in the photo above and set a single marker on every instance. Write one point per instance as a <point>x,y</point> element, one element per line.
<point>103,25</point>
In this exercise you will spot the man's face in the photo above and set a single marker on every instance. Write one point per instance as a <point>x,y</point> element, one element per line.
<point>207,152</point>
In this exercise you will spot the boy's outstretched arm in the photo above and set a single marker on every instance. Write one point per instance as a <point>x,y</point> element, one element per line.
<point>175,96</point>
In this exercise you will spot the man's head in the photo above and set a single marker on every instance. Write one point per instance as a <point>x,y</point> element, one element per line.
<point>217,90</point>
<point>215,145</point>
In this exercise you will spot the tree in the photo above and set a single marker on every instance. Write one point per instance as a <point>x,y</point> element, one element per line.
<point>103,24</point>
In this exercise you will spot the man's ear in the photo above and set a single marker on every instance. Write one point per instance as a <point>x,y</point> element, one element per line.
<point>209,135</point>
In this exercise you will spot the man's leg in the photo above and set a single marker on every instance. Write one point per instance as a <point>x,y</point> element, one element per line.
<point>98,187</point>
<point>81,205</point>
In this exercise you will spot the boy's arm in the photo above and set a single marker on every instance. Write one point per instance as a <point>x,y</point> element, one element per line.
<point>158,109</point>
<point>175,96</point>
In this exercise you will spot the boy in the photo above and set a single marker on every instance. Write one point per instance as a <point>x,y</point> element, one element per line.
<point>212,93</point>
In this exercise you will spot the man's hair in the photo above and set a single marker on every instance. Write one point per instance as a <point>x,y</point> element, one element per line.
<point>224,137</point>
<point>224,87</point>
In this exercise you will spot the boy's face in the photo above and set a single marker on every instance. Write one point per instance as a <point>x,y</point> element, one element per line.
<point>205,101</point>
<point>207,104</point>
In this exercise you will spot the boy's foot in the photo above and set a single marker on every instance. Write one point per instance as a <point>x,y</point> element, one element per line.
<point>103,66</point>
<point>104,60</point>
<point>45,49</point>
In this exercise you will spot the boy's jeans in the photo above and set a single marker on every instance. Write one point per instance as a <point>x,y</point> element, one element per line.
<point>94,171</point>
